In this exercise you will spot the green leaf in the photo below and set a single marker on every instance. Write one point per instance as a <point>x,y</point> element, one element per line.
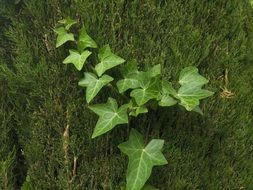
<point>167,92</point>
<point>77,59</point>
<point>191,92</point>
<point>68,22</point>
<point>130,73</point>
<point>134,78</point>
<point>138,110</point>
<point>63,36</point>
<point>155,71</point>
<point>85,40</point>
<point>109,116</point>
<point>141,159</point>
<point>167,100</point>
<point>150,89</point>
<point>108,60</point>
<point>93,84</point>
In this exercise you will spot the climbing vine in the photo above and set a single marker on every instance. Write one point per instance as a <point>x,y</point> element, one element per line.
<point>137,88</point>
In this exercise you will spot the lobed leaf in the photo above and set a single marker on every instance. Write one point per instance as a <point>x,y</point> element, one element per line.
<point>141,159</point>
<point>77,59</point>
<point>109,116</point>
<point>150,89</point>
<point>93,84</point>
<point>108,60</point>
<point>63,36</point>
<point>133,78</point>
<point>191,92</point>
<point>85,40</point>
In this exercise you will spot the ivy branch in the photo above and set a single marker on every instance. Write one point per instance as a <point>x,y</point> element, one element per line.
<point>142,86</point>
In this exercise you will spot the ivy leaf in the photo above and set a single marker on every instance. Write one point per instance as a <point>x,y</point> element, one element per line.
<point>68,22</point>
<point>108,60</point>
<point>191,92</point>
<point>85,40</point>
<point>130,73</point>
<point>93,84</point>
<point>167,91</point>
<point>109,116</point>
<point>134,78</point>
<point>167,100</point>
<point>150,89</point>
<point>141,159</point>
<point>63,36</point>
<point>138,110</point>
<point>77,59</point>
<point>155,71</point>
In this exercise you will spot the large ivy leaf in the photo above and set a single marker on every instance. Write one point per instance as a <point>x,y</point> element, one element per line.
<point>77,59</point>
<point>63,36</point>
<point>85,40</point>
<point>93,84</point>
<point>141,159</point>
<point>191,90</point>
<point>150,89</point>
<point>108,60</point>
<point>68,22</point>
<point>109,116</point>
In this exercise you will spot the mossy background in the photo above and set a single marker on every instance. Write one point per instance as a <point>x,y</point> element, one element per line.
<point>39,96</point>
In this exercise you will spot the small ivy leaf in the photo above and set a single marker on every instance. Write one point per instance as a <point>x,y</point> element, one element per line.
<point>63,36</point>
<point>109,116</point>
<point>167,91</point>
<point>149,90</point>
<point>77,59</point>
<point>191,92</point>
<point>141,159</point>
<point>108,60</point>
<point>85,40</point>
<point>138,110</point>
<point>93,84</point>
<point>68,22</point>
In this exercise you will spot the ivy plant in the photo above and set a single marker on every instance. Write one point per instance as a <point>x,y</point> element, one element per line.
<point>137,88</point>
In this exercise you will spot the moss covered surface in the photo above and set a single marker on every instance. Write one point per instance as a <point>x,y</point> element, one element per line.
<point>40,99</point>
